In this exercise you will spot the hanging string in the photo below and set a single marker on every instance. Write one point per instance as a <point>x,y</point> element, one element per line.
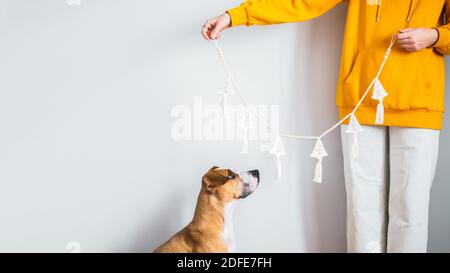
<point>237,89</point>
<point>244,101</point>
<point>319,151</point>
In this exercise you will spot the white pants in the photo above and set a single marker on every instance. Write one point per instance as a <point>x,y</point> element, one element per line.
<point>388,188</point>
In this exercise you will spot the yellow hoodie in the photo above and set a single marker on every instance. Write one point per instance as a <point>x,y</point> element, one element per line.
<point>414,80</point>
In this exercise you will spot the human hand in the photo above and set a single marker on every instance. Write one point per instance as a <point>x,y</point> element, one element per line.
<point>213,27</point>
<point>415,39</point>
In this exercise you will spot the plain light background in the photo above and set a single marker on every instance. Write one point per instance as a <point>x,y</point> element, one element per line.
<point>86,153</point>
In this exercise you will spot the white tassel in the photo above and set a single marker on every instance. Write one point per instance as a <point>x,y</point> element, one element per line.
<point>244,149</point>
<point>279,168</point>
<point>226,92</point>
<point>224,104</point>
<point>354,128</point>
<point>378,94</point>
<point>318,172</point>
<point>278,150</point>
<point>379,119</point>
<point>319,152</point>
<point>246,124</point>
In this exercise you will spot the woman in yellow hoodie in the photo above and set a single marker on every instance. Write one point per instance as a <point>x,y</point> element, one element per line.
<point>388,185</point>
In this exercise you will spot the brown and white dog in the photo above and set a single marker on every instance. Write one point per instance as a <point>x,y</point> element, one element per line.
<point>211,229</point>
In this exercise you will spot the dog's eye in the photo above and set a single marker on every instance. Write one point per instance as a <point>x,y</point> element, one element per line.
<point>231,174</point>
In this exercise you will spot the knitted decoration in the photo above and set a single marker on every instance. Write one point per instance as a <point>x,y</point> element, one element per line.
<point>226,91</point>
<point>319,152</point>
<point>278,150</point>
<point>354,128</point>
<point>246,123</point>
<point>378,94</point>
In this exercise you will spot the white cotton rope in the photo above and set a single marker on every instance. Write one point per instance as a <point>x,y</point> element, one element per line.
<point>244,101</point>
<point>319,151</point>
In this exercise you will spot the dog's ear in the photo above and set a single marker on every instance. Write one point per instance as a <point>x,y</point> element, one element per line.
<point>215,177</point>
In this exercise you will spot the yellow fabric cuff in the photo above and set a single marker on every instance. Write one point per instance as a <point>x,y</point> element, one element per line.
<point>444,37</point>
<point>238,16</point>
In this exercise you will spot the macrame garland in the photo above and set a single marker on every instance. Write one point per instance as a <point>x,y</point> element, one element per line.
<point>319,152</point>
<point>246,124</point>
<point>278,150</point>
<point>378,94</point>
<point>354,128</point>
<point>226,91</point>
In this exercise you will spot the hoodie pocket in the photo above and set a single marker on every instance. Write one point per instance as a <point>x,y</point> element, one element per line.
<point>351,84</point>
<point>354,67</point>
<point>429,81</point>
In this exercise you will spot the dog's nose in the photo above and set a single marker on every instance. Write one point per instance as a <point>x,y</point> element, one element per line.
<point>254,173</point>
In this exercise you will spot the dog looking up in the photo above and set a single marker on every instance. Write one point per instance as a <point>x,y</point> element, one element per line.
<point>211,229</point>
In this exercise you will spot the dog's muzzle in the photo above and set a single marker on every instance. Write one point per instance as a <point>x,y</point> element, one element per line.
<point>250,181</point>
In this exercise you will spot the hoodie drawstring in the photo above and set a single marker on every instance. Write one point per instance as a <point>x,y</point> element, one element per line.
<point>378,10</point>
<point>410,11</point>
<point>408,18</point>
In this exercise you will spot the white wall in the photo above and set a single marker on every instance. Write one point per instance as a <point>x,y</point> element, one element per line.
<point>439,229</point>
<point>86,153</point>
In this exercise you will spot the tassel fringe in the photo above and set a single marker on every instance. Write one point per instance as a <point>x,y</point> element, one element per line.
<point>378,94</point>
<point>278,150</point>
<point>319,152</point>
<point>224,104</point>
<point>226,91</point>
<point>318,172</point>
<point>379,119</point>
<point>246,124</point>
<point>354,128</point>
<point>245,143</point>
<point>279,168</point>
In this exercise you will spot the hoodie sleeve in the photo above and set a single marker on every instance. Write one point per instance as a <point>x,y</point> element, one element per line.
<point>443,43</point>
<point>266,12</point>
